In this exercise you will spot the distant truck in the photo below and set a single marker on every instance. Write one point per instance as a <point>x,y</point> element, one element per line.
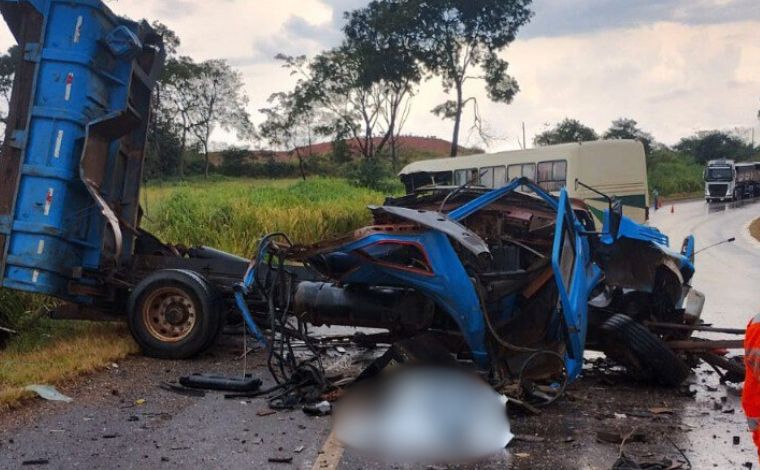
<point>726,180</point>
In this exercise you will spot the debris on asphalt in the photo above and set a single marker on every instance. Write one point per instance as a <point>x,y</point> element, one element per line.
<point>48,392</point>
<point>626,462</point>
<point>617,437</point>
<point>298,449</point>
<point>266,413</point>
<point>528,438</point>
<point>322,408</point>
<point>280,459</point>
<point>224,383</point>
<point>140,402</point>
<point>36,462</point>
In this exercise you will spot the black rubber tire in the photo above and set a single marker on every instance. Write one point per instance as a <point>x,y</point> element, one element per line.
<point>644,355</point>
<point>197,290</point>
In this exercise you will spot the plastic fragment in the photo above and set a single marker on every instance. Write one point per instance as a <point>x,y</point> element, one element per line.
<point>48,392</point>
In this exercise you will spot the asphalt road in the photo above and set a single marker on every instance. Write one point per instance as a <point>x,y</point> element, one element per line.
<point>728,274</point>
<point>110,426</point>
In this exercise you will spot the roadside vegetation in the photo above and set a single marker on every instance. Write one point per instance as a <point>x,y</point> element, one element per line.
<point>232,215</point>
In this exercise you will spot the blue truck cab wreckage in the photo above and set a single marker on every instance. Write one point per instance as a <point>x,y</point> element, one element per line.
<point>516,280</point>
<point>503,277</point>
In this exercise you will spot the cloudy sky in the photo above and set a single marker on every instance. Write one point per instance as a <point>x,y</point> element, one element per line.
<point>676,66</point>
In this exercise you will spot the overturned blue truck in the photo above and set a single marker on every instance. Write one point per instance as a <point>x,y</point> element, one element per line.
<point>517,281</point>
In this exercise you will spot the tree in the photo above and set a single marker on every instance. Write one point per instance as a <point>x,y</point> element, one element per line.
<point>164,150</point>
<point>291,122</point>
<point>454,37</point>
<point>7,73</point>
<point>710,145</point>
<point>218,101</point>
<point>386,53</point>
<point>179,100</point>
<point>354,94</point>
<point>566,131</point>
<point>624,128</point>
<point>173,103</point>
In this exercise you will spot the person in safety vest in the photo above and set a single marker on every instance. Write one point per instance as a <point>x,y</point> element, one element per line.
<point>751,393</point>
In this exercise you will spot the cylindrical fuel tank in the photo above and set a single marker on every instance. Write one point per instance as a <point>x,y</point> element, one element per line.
<point>371,307</point>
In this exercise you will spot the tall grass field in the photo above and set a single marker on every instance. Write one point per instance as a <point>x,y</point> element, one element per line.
<point>233,215</point>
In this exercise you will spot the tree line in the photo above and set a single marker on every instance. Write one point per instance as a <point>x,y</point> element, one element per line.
<point>358,92</point>
<point>358,95</point>
<point>702,147</point>
<point>675,169</point>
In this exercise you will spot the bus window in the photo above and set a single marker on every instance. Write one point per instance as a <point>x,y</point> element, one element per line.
<point>527,170</point>
<point>493,176</point>
<point>442,178</point>
<point>552,176</point>
<point>499,176</point>
<point>463,177</point>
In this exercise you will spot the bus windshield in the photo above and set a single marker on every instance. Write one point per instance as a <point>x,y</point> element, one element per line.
<point>719,174</point>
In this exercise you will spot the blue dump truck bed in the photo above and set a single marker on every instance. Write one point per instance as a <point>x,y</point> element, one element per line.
<point>74,149</point>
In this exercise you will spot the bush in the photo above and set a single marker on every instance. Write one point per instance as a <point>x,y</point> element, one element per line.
<point>375,174</point>
<point>674,173</point>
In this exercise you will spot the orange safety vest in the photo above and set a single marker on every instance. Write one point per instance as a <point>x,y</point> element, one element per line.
<point>751,393</point>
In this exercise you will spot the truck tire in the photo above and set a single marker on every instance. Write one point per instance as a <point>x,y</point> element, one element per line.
<point>645,356</point>
<point>174,314</point>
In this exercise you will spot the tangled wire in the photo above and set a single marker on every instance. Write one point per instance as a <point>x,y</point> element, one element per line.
<point>300,378</point>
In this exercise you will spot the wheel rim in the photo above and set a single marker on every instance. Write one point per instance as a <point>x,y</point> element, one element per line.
<point>169,314</point>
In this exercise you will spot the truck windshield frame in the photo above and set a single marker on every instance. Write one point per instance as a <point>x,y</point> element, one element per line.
<point>719,173</point>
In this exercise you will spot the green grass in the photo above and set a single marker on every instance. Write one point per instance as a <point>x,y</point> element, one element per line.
<point>232,215</point>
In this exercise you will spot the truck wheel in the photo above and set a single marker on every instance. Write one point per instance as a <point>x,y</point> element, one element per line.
<point>174,314</point>
<point>644,355</point>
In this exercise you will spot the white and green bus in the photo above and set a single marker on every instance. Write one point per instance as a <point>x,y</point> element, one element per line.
<point>614,167</point>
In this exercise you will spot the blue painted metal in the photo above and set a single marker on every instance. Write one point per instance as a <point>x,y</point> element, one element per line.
<point>571,252</point>
<point>466,210</point>
<point>77,178</point>
<point>450,286</point>
<point>632,230</point>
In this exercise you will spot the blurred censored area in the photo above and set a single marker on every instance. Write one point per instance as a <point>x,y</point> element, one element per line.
<point>416,413</point>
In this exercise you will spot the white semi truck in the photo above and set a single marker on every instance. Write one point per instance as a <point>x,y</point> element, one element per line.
<point>726,180</point>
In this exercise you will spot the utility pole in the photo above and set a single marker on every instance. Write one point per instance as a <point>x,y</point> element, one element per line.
<point>524,143</point>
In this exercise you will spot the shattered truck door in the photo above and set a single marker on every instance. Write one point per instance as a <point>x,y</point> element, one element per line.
<point>571,262</point>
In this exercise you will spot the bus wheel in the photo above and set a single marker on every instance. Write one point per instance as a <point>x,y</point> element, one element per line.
<point>173,314</point>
